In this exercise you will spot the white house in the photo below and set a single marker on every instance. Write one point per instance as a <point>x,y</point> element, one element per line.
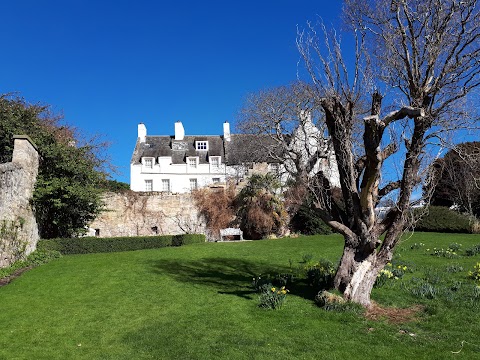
<point>181,163</point>
<point>177,163</point>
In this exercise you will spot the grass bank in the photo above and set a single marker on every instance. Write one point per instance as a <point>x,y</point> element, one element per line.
<point>196,302</point>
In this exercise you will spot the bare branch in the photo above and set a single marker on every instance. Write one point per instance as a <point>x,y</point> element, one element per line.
<point>394,185</point>
<point>406,111</point>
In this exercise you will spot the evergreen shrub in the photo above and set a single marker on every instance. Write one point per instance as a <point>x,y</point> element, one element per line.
<point>187,239</point>
<point>307,221</point>
<point>442,219</point>
<point>87,245</point>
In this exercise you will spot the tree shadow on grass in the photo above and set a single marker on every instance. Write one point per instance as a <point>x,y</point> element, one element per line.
<point>227,275</point>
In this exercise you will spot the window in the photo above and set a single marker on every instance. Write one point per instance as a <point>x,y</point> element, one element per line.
<point>148,163</point>
<point>215,162</point>
<point>192,162</point>
<point>148,185</point>
<point>216,180</point>
<point>97,232</point>
<point>193,184</point>
<point>166,185</point>
<point>155,229</point>
<point>201,145</point>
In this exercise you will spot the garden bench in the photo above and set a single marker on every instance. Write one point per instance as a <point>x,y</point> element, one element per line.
<point>228,233</point>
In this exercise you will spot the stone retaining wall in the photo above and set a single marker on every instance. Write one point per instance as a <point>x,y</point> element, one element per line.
<point>140,214</point>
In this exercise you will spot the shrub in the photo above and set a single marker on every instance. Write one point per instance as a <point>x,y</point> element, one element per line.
<point>442,219</point>
<point>307,221</point>
<point>87,245</point>
<point>217,207</point>
<point>260,210</point>
<point>187,239</point>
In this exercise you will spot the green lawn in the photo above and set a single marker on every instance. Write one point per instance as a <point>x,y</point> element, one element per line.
<point>196,302</point>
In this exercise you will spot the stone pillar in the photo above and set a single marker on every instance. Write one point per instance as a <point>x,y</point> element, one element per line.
<point>18,226</point>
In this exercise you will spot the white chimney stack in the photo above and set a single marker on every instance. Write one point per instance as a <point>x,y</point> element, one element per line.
<point>179,131</point>
<point>226,131</point>
<point>142,132</point>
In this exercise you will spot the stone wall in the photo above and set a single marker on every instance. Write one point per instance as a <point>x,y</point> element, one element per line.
<point>150,213</point>
<point>18,227</point>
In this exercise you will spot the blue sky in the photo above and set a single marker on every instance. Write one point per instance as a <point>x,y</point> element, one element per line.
<point>108,65</point>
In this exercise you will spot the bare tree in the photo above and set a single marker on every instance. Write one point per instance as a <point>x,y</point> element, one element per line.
<point>427,53</point>
<point>294,125</point>
<point>424,55</point>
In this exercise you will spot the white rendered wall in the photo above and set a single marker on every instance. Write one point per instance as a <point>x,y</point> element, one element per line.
<point>179,175</point>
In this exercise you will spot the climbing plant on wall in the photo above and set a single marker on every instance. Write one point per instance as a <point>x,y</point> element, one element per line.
<point>11,241</point>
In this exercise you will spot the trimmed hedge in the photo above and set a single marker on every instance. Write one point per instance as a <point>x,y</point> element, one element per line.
<point>442,219</point>
<point>187,239</point>
<point>88,245</point>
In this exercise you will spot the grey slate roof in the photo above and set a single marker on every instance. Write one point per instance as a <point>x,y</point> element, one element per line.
<point>242,148</point>
<point>250,148</point>
<point>156,146</point>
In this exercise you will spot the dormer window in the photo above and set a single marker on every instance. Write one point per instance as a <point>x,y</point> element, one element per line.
<point>201,145</point>
<point>148,163</point>
<point>192,162</point>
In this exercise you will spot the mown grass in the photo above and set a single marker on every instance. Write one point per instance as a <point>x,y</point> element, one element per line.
<point>196,302</point>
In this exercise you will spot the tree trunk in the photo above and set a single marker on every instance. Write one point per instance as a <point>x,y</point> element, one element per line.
<point>357,273</point>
